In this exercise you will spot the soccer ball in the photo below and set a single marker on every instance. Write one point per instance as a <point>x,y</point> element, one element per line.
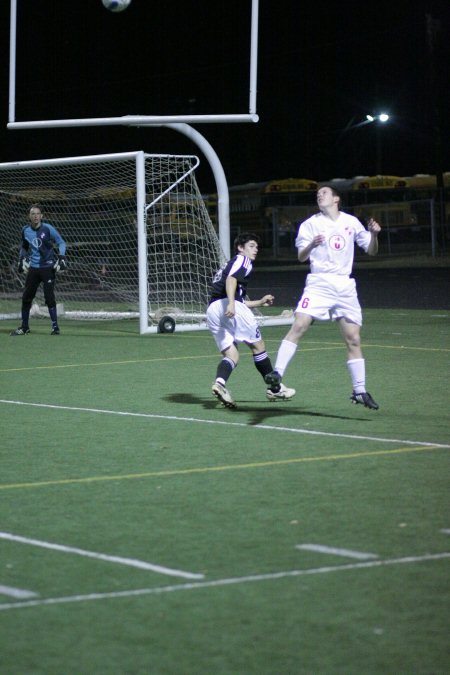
<point>116,5</point>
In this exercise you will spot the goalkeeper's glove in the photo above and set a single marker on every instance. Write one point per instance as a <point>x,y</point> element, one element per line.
<point>60,264</point>
<point>23,265</point>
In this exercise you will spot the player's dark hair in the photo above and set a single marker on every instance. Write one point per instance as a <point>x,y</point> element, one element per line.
<point>243,238</point>
<point>335,192</point>
<point>35,206</point>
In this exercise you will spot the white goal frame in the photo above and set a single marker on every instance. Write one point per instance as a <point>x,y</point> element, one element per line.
<point>137,120</point>
<point>179,123</point>
<point>165,250</point>
<point>177,183</point>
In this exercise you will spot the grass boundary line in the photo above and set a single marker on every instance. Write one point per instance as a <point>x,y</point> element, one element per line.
<point>187,357</point>
<point>330,346</point>
<point>212,469</point>
<point>264,427</point>
<point>119,560</point>
<point>231,581</point>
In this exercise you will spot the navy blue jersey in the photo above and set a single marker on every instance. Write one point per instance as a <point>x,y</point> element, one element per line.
<point>239,267</point>
<point>38,245</point>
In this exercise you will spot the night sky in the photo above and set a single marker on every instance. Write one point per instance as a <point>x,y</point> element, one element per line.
<point>320,71</point>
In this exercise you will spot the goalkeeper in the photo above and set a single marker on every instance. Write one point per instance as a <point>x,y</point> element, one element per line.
<point>39,260</point>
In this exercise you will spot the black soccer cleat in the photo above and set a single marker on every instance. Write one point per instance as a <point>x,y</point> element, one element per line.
<point>365,399</point>
<point>273,379</point>
<point>20,331</point>
<point>55,331</point>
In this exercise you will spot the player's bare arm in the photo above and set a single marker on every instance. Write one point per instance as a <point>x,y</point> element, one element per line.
<point>230,287</point>
<point>265,301</point>
<point>374,228</point>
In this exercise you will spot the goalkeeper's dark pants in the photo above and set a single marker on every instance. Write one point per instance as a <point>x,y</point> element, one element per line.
<point>35,276</point>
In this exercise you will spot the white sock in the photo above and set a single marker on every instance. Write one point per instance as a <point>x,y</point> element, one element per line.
<point>285,353</point>
<point>357,370</point>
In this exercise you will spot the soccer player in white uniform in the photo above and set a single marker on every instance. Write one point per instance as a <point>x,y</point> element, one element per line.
<point>327,239</point>
<point>231,320</point>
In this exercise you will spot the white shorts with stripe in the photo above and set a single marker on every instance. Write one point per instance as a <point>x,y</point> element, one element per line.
<point>243,327</point>
<point>330,296</point>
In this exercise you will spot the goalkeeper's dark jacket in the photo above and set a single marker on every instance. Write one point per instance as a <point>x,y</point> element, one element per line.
<point>239,267</point>
<point>38,245</point>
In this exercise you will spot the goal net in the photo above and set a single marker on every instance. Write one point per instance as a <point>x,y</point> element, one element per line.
<point>140,242</point>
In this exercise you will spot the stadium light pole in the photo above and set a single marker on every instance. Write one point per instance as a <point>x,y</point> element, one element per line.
<point>379,120</point>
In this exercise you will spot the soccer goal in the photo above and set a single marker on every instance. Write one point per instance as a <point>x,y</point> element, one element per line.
<point>140,242</point>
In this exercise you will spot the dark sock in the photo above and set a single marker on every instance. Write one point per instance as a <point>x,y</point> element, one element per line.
<point>25,319</point>
<point>263,365</point>
<point>53,316</point>
<point>225,368</point>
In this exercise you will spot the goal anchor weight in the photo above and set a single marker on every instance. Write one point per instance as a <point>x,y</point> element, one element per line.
<point>166,325</point>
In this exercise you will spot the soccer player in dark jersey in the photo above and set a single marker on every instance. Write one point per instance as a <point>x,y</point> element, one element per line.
<point>39,260</point>
<point>231,320</point>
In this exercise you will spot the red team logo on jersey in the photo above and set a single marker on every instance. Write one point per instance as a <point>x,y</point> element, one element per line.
<point>337,242</point>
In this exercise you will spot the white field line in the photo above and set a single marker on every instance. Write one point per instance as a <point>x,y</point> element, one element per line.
<point>17,592</point>
<point>265,427</point>
<point>233,581</point>
<point>329,550</point>
<point>140,564</point>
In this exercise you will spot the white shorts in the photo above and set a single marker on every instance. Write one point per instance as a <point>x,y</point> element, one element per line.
<point>242,328</point>
<point>330,296</point>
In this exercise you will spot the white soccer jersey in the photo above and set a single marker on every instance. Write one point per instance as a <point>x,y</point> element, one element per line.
<point>335,255</point>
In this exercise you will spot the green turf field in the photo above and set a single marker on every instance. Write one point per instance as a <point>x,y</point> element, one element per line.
<point>146,530</point>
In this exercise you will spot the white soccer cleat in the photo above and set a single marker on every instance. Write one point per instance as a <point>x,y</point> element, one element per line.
<point>285,394</point>
<point>224,396</point>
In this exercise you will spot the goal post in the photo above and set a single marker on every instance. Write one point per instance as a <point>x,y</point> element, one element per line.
<point>140,242</point>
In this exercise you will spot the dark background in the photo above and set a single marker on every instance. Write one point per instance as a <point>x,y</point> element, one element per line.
<point>412,287</point>
<point>320,71</point>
